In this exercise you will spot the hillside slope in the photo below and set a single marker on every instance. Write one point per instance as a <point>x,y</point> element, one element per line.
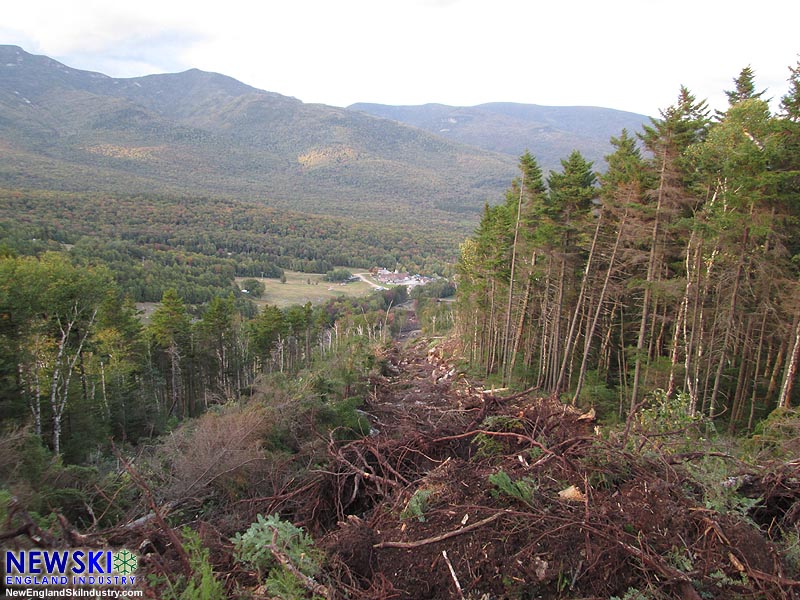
<point>197,132</point>
<point>549,132</point>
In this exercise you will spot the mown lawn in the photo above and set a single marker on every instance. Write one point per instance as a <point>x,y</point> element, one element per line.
<point>305,287</point>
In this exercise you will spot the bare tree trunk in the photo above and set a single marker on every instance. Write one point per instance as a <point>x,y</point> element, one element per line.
<point>605,346</point>
<point>62,372</point>
<point>648,292</point>
<point>552,369</point>
<point>683,312</point>
<point>507,329</point>
<point>791,367</point>
<point>729,327</point>
<point>623,363</point>
<point>756,372</point>
<point>578,309</point>
<point>776,367</point>
<point>175,372</point>
<point>744,373</point>
<point>55,396</point>
<point>709,367</point>
<point>544,345</point>
<point>522,314</point>
<point>103,390</point>
<point>587,343</point>
<point>491,330</point>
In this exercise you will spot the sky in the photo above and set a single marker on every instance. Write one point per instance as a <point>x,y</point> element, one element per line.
<point>626,54</point>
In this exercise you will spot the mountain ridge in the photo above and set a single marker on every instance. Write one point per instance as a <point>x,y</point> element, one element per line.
<point>549,132</point>
<point>204,133</point>
<point>197,132</point>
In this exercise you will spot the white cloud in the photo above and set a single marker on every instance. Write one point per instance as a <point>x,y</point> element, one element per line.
<point>627,54</point>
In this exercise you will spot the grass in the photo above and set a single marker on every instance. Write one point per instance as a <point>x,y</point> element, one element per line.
<point>305,287</point>
<point>296,290</point>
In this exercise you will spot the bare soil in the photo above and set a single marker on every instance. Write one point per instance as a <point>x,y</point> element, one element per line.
<point>462,492</point>
<point>593,519</point>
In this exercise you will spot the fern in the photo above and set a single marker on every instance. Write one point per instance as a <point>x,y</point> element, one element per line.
<point>521,489</point>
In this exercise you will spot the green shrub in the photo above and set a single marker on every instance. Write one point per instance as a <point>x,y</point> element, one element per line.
<point>634,594</point>
<point>5,500</point>
<point>671,420</point>
<point>777,437</point>
<point>790,546</point>
<point>489,445</point>
<point>716,480</point>
<point>202,585</point>
<point>597,393</point>
<point>253,548</point>
<point>344,417</point>
<point>417,505</point>
<point>521,489</point>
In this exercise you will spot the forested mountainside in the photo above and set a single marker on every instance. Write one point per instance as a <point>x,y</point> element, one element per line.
<point>548,132</point>
<point>206,134</point>
<point>606,409</point>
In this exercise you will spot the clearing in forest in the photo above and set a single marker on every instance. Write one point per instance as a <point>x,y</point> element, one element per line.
<point>301,288</point>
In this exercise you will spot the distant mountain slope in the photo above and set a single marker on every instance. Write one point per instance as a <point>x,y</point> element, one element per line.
<point>204,133</point>
<point>549,132</point>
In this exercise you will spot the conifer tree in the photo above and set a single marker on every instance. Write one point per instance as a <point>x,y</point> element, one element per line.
<point>170,330</point>
<point>667,139</point>
<point>573,190</point>
<point>745,87</point>
<point>622,186</point>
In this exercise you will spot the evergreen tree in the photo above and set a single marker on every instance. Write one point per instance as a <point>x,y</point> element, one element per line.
<point>745,87</point>
<point>170,330</point>
<point>668,139</point>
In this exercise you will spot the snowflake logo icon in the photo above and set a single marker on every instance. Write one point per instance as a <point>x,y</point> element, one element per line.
<point>125,562</point>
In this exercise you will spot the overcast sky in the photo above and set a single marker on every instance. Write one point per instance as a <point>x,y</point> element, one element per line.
<point>625,54</point>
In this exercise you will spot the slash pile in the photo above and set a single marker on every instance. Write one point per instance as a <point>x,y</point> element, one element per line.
<point>461,493</point>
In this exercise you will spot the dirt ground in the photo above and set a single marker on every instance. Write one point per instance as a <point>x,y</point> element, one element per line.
<point>465,493</point>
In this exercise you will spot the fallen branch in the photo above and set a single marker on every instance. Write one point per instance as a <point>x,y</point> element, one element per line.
<point>521,394</point>
<point>164,510</point>
<point>29,528</point>
<point>453,574</point>
<point>674,459</point>
<point>305,580</point>
<point>72,535</point>
<point>339,456</point>
<point>439,538</point>
<point>506,434</point>
<point>22,529</point>
<point>773,579</point>
<point>656,564</point>
<point>139,481</point>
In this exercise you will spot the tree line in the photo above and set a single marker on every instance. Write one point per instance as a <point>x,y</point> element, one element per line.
<point>79,365</point>
<point>676,269</point>
<point>197,245</point>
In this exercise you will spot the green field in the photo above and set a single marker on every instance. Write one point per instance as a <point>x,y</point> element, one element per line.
<point>296,290</point>
<point>305,287</point>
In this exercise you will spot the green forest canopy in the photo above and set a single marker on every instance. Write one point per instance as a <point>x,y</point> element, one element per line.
<point>676,269</point>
